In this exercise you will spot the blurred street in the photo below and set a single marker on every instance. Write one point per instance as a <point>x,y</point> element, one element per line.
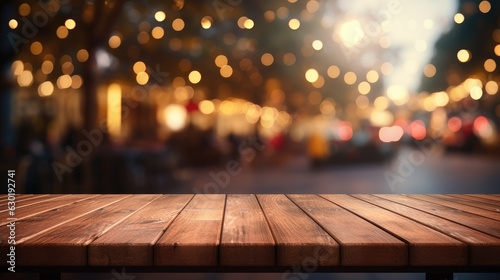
<point>439,173</point>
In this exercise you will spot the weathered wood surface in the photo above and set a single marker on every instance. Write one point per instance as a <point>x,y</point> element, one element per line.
<point>255,230</point>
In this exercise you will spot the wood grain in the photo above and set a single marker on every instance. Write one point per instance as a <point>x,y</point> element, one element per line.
<point>361,243</point>
<point>428,247</point>
<point>33,201</point>
<point>467,201</point>
<point>487,196</point>
<point>458,205</point>
<point>246,237</point>
<point>473,221</point>
<point>193,238</point>
<point>483,248</point>
<point>475,198</point>
<point>44,206</point>
<point>131,242</point>
<point>66,245</point>
<point>298,238</point>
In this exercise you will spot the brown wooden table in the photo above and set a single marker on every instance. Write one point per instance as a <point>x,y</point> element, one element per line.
<point>255,233</point>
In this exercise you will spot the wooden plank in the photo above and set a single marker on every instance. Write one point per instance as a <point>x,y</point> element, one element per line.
<point>361,243</point>
<point>483,248</point>
<point>486,196</point>
<point>298,238</point>
<point>44,206</point>
<point>475,198</point>
<point>41,223</point>
<point>66,245</point>
<point>193,238</point>
<point>19,197</point>
<point>462,199</point>
<point>473,221</point>
<point>34,200</point>
<point>457,205</point>
<point>246,237</point>
<point>428,247</point>
<point>130,243</point>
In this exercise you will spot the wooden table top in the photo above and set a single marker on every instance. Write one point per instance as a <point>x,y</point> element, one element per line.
<point>245,230</point>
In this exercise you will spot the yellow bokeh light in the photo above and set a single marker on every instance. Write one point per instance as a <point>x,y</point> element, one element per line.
<point>312,75</point>
<point>476,92</point>
<point>327,107</point>
<point>351,33</point>
<point>206,22</point>
<point>160,16</point>
<point>282,12</point>
<point>194,77</point>
<point>13,24</point>
<point>497,50</point>
<point>484,6</point>
<point>25,79</point>
<point>491,87</point>
<point>429,70</point>
<point>24,9</point>
<point>248,23</point>
<point>76,81</point>
<point>269,16</point>
<point>64,81</point>
<point>114,41</point>
<point>459,18</point>
<point>317,45</point>
<point>463,55</point>
<point>47,67</point>
<point>113,112</point>
<point>372,76</point>
<point>221,60</point>
<point>398,94</point>
<point>312,6</point>
<point>139,67</point>
<point>36,48</point>
<point>294,24</point>
<point>45,89</point>
<point>17,67</point>
<point>226,71</point>
<point>319,83</point>
<point>70,24</point>
<point>267,59</point>
<point>386,68</point>
<point>142,78</point>
<point>176,117</point>
<point>381,103</point>
<point>350,78</point>
<point>364,87</point>
<point>333,71</point>
<point>62,32</point>
<point>440,98</point>
<point>490,65</point>
<point>178,24</point>
<point>381,118</point>
<point>82,55</point>
<point>206,107</point>
<point>157,32</point>
<point>68,67</point>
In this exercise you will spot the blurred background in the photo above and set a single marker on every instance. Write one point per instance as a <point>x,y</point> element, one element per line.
<point>232,96</point>
<point>296,96</point>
